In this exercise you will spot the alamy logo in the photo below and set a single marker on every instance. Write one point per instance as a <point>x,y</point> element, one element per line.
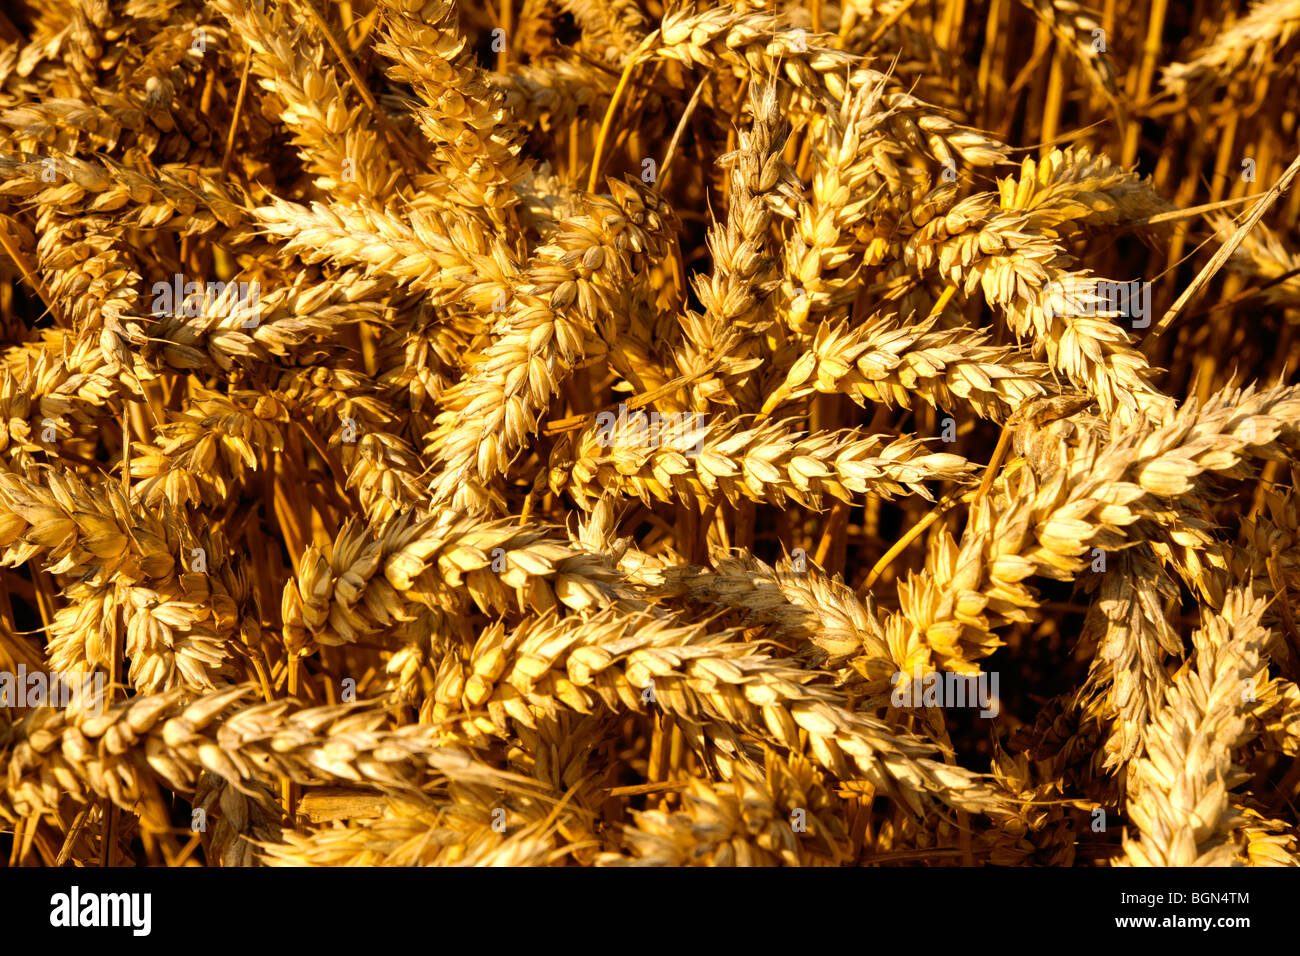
<point>236,300</point>
<point>39,689</point>
<point>940,689</point>
<point>681,431</point>
<point>103,909</point>
<point>1130,300</point>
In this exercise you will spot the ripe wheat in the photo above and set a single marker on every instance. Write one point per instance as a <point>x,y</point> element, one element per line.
<point>927,530</point>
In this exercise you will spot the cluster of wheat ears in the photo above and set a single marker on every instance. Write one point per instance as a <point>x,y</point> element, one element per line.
<point>578,432</point>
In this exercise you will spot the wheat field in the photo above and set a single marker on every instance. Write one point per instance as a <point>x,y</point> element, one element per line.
<point>548,432</point>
